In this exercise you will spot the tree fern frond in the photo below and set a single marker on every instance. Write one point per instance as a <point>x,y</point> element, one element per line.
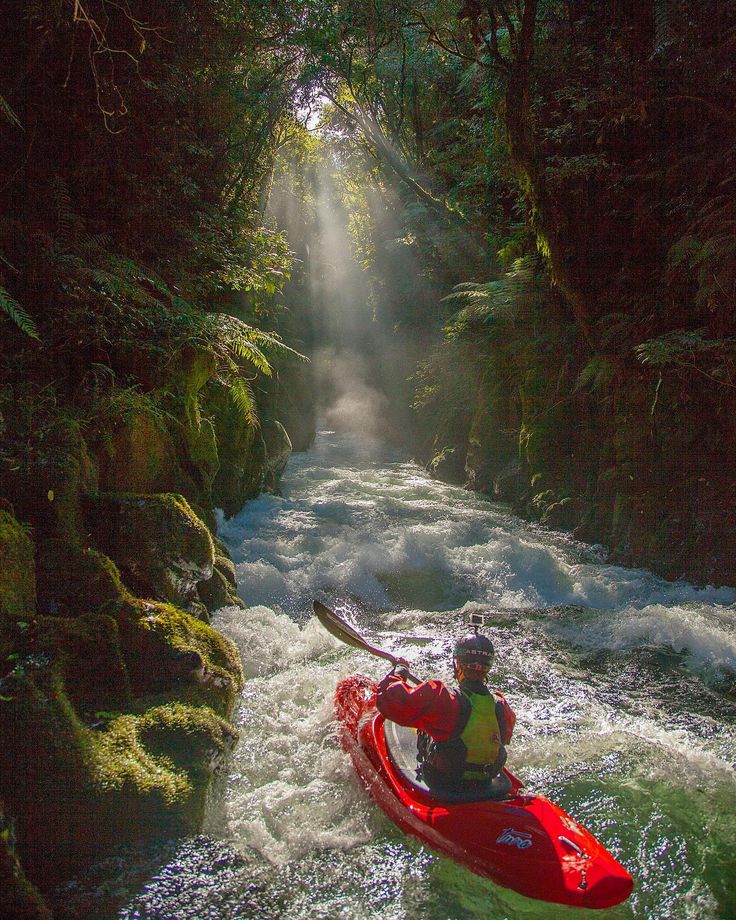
<point>597,374</point>
<point>13,309</point>
<point>9,113</point>
<point>251,352</point>
<point>242,395</point>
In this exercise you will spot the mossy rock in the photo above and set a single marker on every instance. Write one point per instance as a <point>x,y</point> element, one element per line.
<point>201,443</point>
<point>194,738</point>
<point>49,492</point>
<point>19,899</point>
<point>447,464</point>
<point>278,451</point>
<point>219,592</point>
<point>140,455</point>
<point>86,652</point>
<point>17,569</point>
<point>165,647</point>
<point>77,791</point>
<point>159,544</point>
<point>159,767</point>
<point>225,565</point>
<point>242,451</point>
<point>73,579</point>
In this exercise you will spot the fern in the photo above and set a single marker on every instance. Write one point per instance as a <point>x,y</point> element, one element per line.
<point>597,375</point>
<point>484,305</point>
<point>13,309</point>
<point>683,348</point>
<point>242,395</point>
<point>9,113</point>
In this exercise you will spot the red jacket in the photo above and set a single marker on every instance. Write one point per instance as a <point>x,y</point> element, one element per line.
<point>432,707</point>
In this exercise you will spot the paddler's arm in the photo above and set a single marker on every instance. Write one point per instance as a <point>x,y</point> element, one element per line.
<point>429,707</point>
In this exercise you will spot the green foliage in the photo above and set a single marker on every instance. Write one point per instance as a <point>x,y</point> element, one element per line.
<point>714,359</point>
<point>17,314</point>
<point>486,307</point>
<point>598,375</point>
<point>9,113</point>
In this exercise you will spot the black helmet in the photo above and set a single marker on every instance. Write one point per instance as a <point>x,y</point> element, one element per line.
<point>474,650</point>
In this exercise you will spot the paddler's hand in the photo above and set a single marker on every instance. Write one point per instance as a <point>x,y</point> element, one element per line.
<point>401,668</point>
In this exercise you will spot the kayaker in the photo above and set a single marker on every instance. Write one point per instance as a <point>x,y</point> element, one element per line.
<point>463,733</point>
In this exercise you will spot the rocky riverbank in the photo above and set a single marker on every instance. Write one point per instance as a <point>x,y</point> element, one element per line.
<point>115,692</point>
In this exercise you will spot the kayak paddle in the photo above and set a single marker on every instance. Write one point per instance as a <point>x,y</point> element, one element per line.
<point>336,626</point>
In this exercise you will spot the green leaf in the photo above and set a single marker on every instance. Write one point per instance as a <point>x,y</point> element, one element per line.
<point>13,309</point>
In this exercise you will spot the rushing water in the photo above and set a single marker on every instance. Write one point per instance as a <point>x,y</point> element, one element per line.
<point>623,686</point>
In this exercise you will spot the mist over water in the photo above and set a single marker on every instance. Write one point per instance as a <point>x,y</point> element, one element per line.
<point>623,686</point>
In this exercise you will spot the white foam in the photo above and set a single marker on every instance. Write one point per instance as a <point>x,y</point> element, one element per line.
<point>292,789</point>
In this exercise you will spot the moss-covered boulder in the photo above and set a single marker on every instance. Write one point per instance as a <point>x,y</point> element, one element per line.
<point>139,455</point>
<point>78,790</point>
<point>165,647</point>
<point>159,544</point>
<point>87,655</point>
<point>193,739</point>
<point>242,451</point>
<point>278,451</point>
<point>74,579</point>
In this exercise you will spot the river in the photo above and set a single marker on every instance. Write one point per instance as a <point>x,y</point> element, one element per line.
<point>623,686</point>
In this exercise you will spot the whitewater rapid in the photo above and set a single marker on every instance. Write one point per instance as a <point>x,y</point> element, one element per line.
<point>623,686</point>
<point>620,680</point>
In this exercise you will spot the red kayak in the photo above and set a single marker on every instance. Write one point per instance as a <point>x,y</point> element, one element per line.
<point>523,842</point>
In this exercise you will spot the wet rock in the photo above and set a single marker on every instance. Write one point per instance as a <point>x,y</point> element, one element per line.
<point>160,546</point>
<point>278,451</point>
<point>242,451</point>
<point>218,591</point>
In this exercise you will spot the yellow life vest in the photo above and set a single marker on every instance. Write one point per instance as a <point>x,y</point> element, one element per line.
<point>481,735</point>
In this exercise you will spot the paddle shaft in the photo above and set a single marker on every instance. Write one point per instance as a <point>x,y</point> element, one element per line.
<point>337,627</point>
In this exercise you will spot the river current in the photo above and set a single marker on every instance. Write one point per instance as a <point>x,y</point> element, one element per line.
<point>623,685</point>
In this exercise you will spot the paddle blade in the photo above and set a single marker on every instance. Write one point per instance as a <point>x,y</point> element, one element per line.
<point>336,626</point>
<point>343,631</point>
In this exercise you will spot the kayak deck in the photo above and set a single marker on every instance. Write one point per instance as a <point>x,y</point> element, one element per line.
<point>523,842</point>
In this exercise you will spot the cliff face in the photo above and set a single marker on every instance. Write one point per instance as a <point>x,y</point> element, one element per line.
<point>616,452</point>
<point>592,381</point>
